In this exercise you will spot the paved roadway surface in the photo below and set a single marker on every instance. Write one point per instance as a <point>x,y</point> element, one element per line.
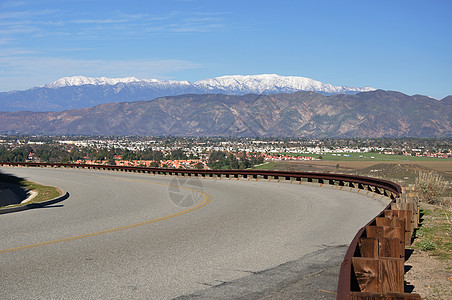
<point>136,236</point>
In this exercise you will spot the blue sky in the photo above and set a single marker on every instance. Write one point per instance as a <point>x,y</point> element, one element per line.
<point>393,45</point>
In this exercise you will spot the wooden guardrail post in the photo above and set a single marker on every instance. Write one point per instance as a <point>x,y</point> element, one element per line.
<point>378,275</point>
<point>381,247</point>
<point>409,200</point>
<point>377,267</point>
<point>406,215</point>
<point>381,265</point>
<point>411,207</point>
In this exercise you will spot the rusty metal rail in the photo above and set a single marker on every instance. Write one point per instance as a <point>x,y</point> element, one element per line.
<point>380,186</point>
<point>373,265</point>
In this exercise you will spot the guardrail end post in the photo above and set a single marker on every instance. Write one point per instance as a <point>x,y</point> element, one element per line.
<point>378,275</point>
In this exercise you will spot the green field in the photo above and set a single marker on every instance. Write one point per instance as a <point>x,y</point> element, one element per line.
<point>364,157</point>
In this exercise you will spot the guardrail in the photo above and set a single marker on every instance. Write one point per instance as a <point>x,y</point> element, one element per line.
<point>380,186</point>
<point>373,267</point>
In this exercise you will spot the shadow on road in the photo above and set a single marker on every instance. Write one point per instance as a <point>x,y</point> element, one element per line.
<point>12,190</point>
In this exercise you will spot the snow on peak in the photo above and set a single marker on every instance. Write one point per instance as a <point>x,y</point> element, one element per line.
<point>270,83</point>
<point>230,84</point>
<point>81,80</point>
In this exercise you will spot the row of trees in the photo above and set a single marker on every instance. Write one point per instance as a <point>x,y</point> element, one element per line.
<point>13,155</point>
<point>70,153</point>
<point>222,160</point>
<point>44,153</point>
<point>65,153</point>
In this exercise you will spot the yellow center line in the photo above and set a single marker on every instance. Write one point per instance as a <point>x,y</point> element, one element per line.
<point>207,200</point>
<point>327,292</point>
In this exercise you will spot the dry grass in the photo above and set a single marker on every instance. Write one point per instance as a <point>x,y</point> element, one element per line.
<point>435,233</point>
<point>441,166</point>
<point>44,192</point>
<point>431,186</point>
<point>431,260</point>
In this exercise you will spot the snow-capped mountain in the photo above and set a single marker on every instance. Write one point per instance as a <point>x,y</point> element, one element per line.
<point>272,83</point>
<point>81,80</point>
<point>79,91</point>
<point>240,84</point>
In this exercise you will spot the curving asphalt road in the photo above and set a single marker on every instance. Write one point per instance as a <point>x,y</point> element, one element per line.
<point>136,236</point>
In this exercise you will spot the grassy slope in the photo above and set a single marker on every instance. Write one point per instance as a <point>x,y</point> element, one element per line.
<point>44,192</point>
<point>435,234</point>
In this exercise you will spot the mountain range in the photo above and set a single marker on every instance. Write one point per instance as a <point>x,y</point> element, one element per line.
<point>301,114</point>
<point>80,92</point>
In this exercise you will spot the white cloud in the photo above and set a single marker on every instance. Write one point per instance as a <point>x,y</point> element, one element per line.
<point>26,14</point>
<point>17,29</point>
<point>5,41</point>
<point>115,18</point>
<point>21,25</point>
<point>39,24</point>
<point>197,27</point>
<point>140,24</point>
<point>10,52</point>
<point>12,4</point>
<point>101,21</point>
